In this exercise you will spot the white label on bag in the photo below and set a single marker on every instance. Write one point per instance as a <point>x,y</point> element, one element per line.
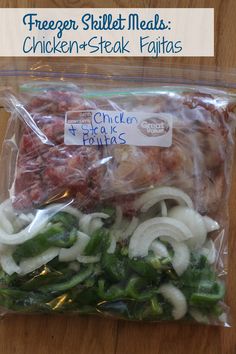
<point>97,127</point>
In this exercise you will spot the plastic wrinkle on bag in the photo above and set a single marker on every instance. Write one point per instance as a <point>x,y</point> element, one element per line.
<point>130,231</point>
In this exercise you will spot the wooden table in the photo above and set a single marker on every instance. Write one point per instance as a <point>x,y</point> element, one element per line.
<point>88,335</point>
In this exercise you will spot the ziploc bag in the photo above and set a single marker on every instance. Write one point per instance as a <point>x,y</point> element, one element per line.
<point>114,200</point>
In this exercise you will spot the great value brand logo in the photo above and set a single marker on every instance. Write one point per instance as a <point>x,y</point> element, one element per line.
<point>79,117</point>
<point>153,127</point>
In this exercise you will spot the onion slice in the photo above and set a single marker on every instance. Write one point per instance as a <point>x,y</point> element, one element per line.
<point>176,298</point>
<point>4,222</point>
<point>85,221</point>
<point>209,251</point>
<point>194,221</point>
<point>154,196</point>
<point>151,229</point>
<point>73,211</point>
<point>181,258</point>
<point>159,249</point>
<point>211,225</point>
<point>30,264</point>
<point>131,228</point>
<point>71,254</point>
<point>95,224</point>
<point>21,221</point>
<point>9,265</point>
<point>119,217</point>
<point>88,259</point>
<point>164,211</point>
<point>40,220</point>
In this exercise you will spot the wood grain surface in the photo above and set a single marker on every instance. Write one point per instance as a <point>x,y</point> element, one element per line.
<point>89,335</point>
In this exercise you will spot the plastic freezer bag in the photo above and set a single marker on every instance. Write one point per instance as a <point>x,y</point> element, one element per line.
<point>134,231</point>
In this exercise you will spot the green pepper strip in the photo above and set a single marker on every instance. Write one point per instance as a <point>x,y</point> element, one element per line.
<point>143,269</point>
<point>55,236</point>
<point>78,278</point>
<point>156,307</point>
<point>114,266</point>
<point>67,220</point>
<point>198,298</point>
<point>133,288</point>
<point>131,291</point>
<point>113,293</point>
<point>95,243</point>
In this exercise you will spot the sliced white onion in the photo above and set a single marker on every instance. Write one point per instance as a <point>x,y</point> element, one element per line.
<point>163,208</point>
<point>194,221</point>
<point>85,223</point>
<point>95,225</point>
<point>209,251</point>
<point>211,225</point>
<point>119,217</point>
<point>71,254</point>
<point>151,229</point>
<point>198,316</point>
<point>21,221</point>
<point>159,249</point>
<point>99,215</point>
<point>8,264</point>
<point>118,234</point>
<point>131,228</point>
<point>154,196</point>
<point>5,223</point>
<point>73,211</point>
<point>181,258</point>
<point>40,220</point>
<point>30,264</point>
<point>26,218</point>
<point>176,298</point>
<point>86,220</point>
<point>6,205</point>
<point>88,259</point>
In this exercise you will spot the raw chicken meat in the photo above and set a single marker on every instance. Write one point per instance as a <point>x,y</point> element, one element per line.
<point>48,170</point>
